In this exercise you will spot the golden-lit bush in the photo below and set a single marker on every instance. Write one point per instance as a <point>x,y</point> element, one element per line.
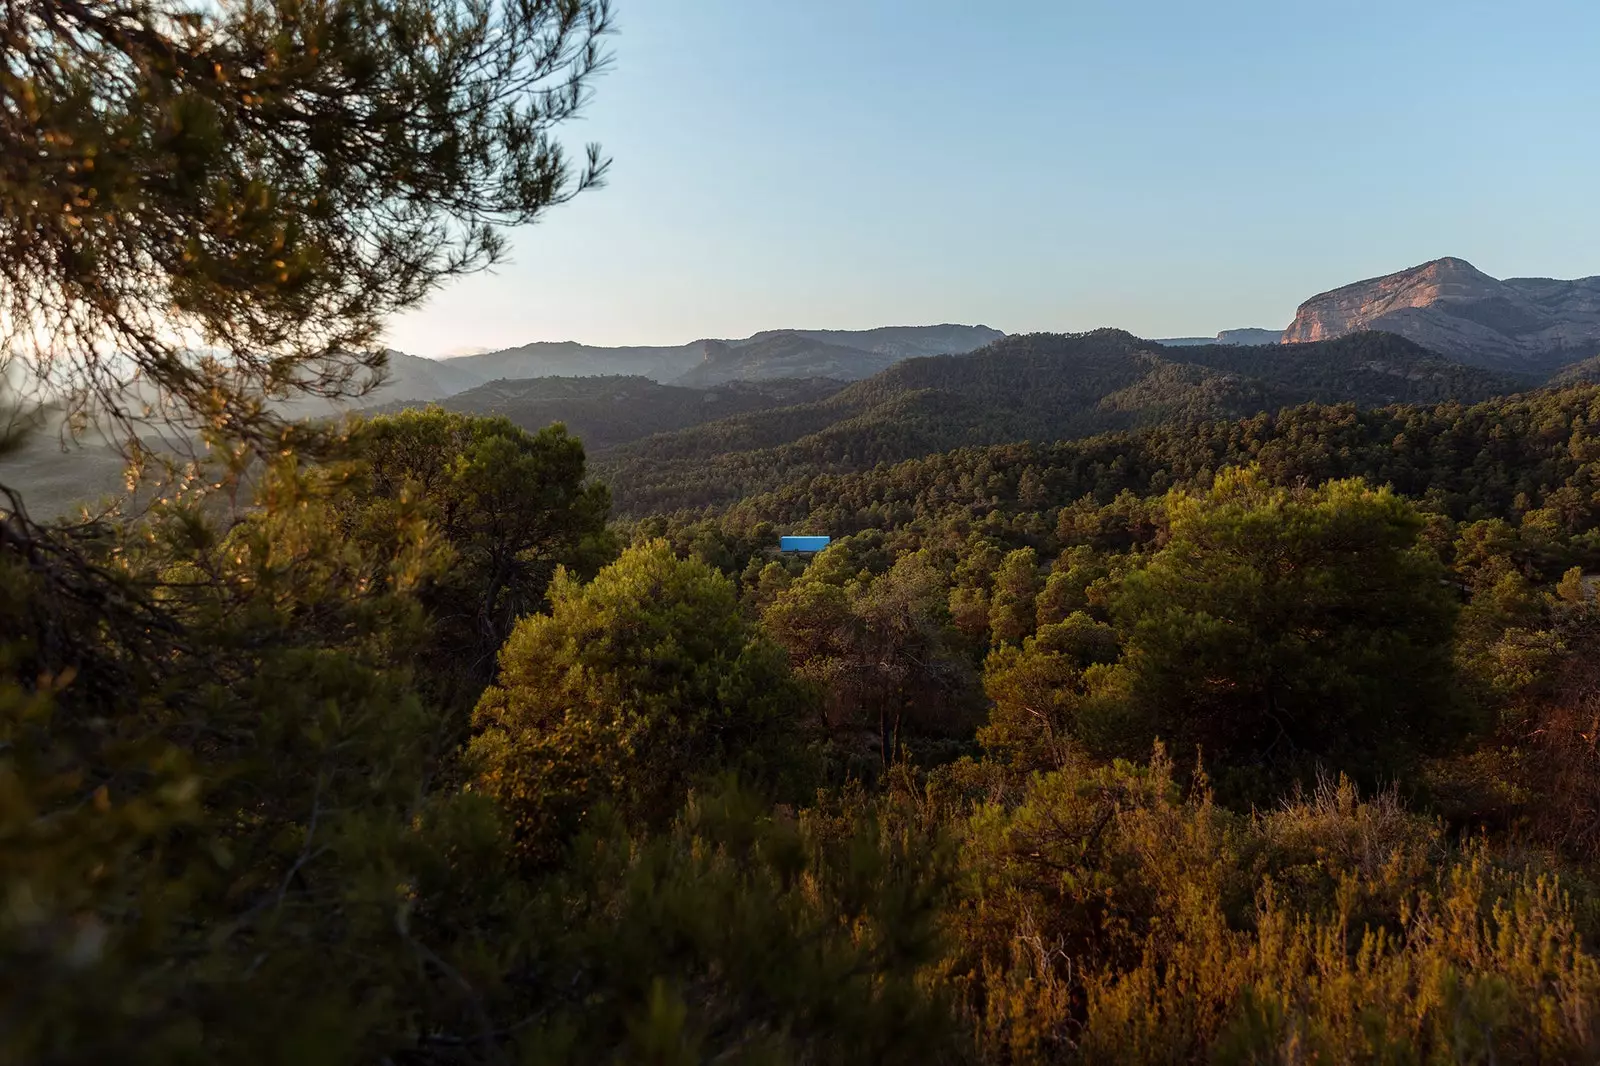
<point>1109,918</point>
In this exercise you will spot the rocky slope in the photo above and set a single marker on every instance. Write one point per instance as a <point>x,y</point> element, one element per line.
<point>1455,309</point>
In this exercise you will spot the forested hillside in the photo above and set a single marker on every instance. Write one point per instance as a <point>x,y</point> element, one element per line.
<point>1033,387</point>
<point>1390,691</point>
<point>1498,457</point>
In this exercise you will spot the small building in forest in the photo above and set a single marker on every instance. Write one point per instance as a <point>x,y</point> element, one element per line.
<point>803,545</point>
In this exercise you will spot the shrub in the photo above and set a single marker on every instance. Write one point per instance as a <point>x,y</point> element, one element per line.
<point>631,687</point>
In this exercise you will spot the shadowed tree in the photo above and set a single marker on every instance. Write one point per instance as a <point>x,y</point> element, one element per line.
<point>1278,627</point>
<point>880,647</point>
<point>1016,587</point>
<point>222,787</point>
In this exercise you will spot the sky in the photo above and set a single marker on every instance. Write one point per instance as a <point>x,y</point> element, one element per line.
<point>1170,167</point>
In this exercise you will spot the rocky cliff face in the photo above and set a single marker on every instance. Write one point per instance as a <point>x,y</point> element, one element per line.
<point>1455,309</point>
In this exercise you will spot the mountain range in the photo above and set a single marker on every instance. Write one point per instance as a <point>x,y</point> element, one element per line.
<point>1228,336</point>
<point>1527,325</point>
<point>691,424</point>
<point>845,355</point>
<point>1027,385</point>
<point>604,411</point>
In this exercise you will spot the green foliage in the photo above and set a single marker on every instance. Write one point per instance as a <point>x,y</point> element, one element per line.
<point>1529,654</point>
<point>204,823</point>
<point>632,687</point>
<point>1498,458</point>
<point>1066,590</point>
<point>1016,587</point>
<point>740,936</point>
<point>880,647</point>
<point>512,506</point>
<point>232,198</point>
<point>1045,703</point>
<point>1109,916</point>
<point>1278,627</point>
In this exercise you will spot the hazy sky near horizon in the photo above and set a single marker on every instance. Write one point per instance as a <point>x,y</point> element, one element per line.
<point>1172,167</point>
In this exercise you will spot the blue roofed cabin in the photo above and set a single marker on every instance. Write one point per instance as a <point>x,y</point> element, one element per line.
<point>803,545</point>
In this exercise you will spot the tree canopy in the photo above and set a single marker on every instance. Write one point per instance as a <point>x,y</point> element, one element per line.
<point>631,688</point>
<point>1285,625</point>
<point>512,506</point>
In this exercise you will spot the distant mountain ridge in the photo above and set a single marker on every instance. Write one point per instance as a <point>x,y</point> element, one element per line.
<point>610,410</point>
<point>846,355</point>
<point>903,342</point>
<point>1249,336</point>
<point>659,363</point>
<point>784,355</point>
<point>1455,309</point>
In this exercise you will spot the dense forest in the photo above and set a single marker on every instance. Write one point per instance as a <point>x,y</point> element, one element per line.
<point>1232,709</point>
<point>1028,387</point>
<point>1228,750</point>
<point>665,447</point>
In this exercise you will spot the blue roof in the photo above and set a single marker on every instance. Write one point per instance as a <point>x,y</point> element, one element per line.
<point>802,544</point>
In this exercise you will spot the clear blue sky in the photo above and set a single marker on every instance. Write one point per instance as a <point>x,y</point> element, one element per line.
<point>1172,167</point>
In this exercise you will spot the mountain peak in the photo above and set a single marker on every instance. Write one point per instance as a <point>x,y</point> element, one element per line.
<point>1453,269</point>
<point>1454,308</point>
<point>1454,263</point>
